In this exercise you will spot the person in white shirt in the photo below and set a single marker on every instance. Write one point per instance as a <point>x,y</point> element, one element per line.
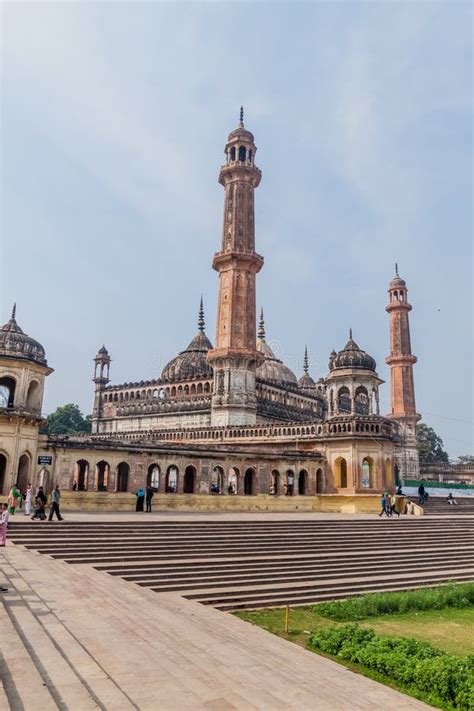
<point>28,497</point>
<point>4,525</point>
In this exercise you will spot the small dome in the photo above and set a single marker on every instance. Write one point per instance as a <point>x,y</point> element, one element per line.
<point>397,281</point>
<point>306,382</point>
<point>103,351</point>
<point>190,363</point>
<point>16,344</point>
<point>241,132</point>
<point>351,356</point>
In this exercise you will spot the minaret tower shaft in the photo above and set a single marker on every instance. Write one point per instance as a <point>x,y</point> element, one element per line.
<point>235,357</point>
<point>401,362</point>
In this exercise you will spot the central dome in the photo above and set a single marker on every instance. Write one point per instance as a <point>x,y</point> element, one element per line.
<point>16,344</point>
<point>272,368</point>
<point>192,362</point>
<point>351,356</point>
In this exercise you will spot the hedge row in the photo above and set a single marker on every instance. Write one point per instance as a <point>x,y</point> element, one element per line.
<point>373,605</point>
<point>440,678</point>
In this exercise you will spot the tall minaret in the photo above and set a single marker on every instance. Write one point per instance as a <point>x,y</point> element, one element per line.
<point>101,378</point>
<point>235,357</point>
<point>401,361</point>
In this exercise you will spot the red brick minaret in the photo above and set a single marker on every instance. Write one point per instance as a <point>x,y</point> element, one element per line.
<point>401,362</point>
<point>235,357</point>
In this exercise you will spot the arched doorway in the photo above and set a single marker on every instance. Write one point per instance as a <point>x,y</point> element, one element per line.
<point>302,482</point>
<point>3,471</point>
<point>123,471</point>
<point>33,398</point>
<point>44,480</point>
<point>340,473</point>
<point>275,482</point>
<point>82,474</point>
<point>233,481</point>
<point>249,482</point>
<point>171,483</point>
<point>217,480</point>
<point>102,470</point>
<point>319,481</point>
<point>7,392</point>
<point>23,472</point>
<point>153,477</point>
<point>189,479</point>
<point>368,473</point>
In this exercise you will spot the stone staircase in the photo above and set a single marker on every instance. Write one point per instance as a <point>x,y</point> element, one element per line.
<point>438,506</point>
<point>236,564</point>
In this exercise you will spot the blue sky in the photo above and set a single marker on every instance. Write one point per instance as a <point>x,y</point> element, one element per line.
<point>114,120</point>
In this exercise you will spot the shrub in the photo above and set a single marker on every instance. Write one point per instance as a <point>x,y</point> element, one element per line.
<point>375,604</point>
<point>418,666</point>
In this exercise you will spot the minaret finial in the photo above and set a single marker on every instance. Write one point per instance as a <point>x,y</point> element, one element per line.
<point>305,361</point>
<point>396,269</point>
<point>261,326</point>
<point>201,322</point>
<point>350,334</point>
<point>241,115</point>
<point>14,311</point>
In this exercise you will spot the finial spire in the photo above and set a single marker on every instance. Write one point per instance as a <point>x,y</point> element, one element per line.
<point>241,115</point>
<point>14,311</point>
<point>396,269</point>
<point>261,326</point>
<point>201,322</point>
<point>305,361</point>
<point>350,334</point>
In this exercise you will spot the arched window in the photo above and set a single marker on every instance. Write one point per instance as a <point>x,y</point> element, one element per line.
<point>189,480</point>
<point>81,474</point>
<point>275,483</point>
<point>7,392</point>
<point>250,155</point>
<point>368,473</point>
<point>171,486</point>
<point>207,387</point>
<point>173,391</point>
<point>3,471</point>
<point>249,482</point>
<point>193,389</point>
<point>33,399</point>
<point>217,481</point>
<point>344,400</point>
<point>123,471</point>
<point>199,388</point>
<point>153,477</point>
<point>361,401</point>
<point>303,482</point>
<point>242,154</point>
<point>102,470</point>
<point>232,153</point>
<point>319,481</point>
<point>233,481</point>
<point>23,472</point>
<point>340,473</point>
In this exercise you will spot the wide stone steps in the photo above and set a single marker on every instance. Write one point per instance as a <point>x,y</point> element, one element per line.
<point>438,506</point>
<point>236,565</point>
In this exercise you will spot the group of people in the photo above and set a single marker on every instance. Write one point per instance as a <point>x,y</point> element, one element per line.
<point>18,500</point>
<point>388,503</point>
<point>144,497</point>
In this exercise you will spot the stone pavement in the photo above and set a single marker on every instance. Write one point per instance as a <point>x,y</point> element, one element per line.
<point>75,638</point>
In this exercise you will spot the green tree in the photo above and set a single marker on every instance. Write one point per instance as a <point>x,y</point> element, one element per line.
<point>430,446</point>
<point>68,419</point>
<point>466,460</point>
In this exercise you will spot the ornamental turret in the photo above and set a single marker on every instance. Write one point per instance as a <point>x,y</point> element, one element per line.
<point>401,362</point>
<point>101,378</point>
<point>235,357</point>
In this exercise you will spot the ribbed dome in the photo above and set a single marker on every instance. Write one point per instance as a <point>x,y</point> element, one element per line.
<point>192,362</point>
<point>16,344</point>
<point>306,382</point>
<point>241,132</point>
<point>397,281</point>
<point>272,368</point>
<point>351,356</point>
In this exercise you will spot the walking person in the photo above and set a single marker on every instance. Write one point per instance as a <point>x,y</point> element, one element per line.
<point>28,497</point>
<point>393,505</point>
<point>13,499</point>
<point>421,495</point>
<point>149,496</point>
<point>140,494</point>
<point>383,506</point>
<point>55,498</point>
<point>40,504</point>
<point>4,525</point>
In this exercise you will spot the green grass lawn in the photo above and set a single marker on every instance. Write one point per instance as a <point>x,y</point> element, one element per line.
<point>450,629</point>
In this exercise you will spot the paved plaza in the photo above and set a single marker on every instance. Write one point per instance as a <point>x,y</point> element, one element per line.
<point>77,637</point>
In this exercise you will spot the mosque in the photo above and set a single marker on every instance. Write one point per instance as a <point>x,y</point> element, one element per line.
<point>224,421</point>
